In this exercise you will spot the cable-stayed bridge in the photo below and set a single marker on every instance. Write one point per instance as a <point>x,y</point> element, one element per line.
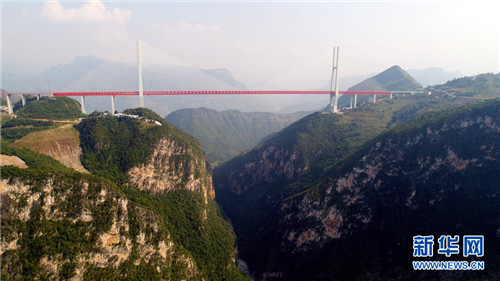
<point>156,85</point>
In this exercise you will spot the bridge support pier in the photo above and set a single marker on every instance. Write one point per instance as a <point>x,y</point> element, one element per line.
<point>38,97</point>
<point>390,97</point>
<point>355,100</point>
<point>112,105</point>
<point>351,102</point>
<point>374,98</point>
<point>23,99</point>
<point>335,79</point>
<point>82,104</point>
<point>9,104</point>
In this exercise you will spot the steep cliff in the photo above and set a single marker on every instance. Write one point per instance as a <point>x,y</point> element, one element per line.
<point>436,174</point>
<point>145,211</point>
<point>289,161</point>
<point>62,144</point>
<point>76,226</point>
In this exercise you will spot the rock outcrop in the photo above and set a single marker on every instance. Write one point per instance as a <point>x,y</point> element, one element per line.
<point>83,223</point>
<point>145,210</point>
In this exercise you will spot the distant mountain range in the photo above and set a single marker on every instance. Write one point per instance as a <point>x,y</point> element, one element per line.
<point>225,134</point>
<point>89,73</point>
<point>433,75</point>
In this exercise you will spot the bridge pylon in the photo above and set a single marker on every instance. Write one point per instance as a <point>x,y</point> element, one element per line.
<point>139,73</point>
<point>334,85</point>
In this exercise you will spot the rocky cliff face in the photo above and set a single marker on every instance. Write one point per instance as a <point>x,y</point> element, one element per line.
<point>58,227</point>
<point>283,165</point>
<point>432,176</point>
<point>146,210</point>
<point>61,143</point>
<point>284,157</point>
<point>269,165</point>
<point>172,167</point>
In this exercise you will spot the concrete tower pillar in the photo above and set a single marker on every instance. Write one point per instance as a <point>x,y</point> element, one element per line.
<point>82,104</point>
<point>374,98</point>
<point>112,105</point>
<point>334,86</point>
<point>23,99</point>
<point>351,102</point>
<point>9,104</point>
<point>355,100</point>
<point>50,90</point>
<point>139,72</point>
<point>38,97</point>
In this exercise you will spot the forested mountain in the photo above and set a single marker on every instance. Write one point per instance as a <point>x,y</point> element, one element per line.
<point>391,79</point>
<point>57,108</point>
<point>480,86</point>
<point>225,134</point>
<point>432,175</point>
<point>328,197</point>
<point>145,210</point>
<point>296,162</point>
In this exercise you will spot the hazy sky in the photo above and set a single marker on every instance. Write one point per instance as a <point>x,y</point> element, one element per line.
<point>287,44</point>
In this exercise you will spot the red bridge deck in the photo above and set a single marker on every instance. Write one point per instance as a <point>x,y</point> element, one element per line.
<point>174,93</point>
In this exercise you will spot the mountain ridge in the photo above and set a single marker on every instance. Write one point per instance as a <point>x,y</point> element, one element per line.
<point>274,174</point>
<point>393,178</point>
<point>145,210</point>
<point>392,79</point>
<point>225,134</point>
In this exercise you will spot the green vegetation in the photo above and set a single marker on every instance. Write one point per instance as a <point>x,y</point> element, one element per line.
<point>414,198</point>
<point>66,238</point>
<point>225,134</point>
<point>112,145</point>
<point>258,180</point>
<point>26,122</point>
<point>17,128</point>
<point>478,86</point>
<point>316,142</point>
<point>210,242</point>
<point>4,118</point>
<point>56,108</point>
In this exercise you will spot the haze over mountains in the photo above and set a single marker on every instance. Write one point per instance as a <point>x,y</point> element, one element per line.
<point>225,134</point>
<point>328,197</point>
<point>89,73</point>
<point>433,75</point>
<point>328,203</point>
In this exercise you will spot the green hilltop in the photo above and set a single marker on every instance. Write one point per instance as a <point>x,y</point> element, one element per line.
<point>480,86</point>
<point>57,108</point>
<point>391,79</point>
<point>225,134</point>
<point>113,223</point>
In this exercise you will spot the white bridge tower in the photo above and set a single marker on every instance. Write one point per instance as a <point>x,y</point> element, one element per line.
<point>139,72</point>
<point>334,86</point>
